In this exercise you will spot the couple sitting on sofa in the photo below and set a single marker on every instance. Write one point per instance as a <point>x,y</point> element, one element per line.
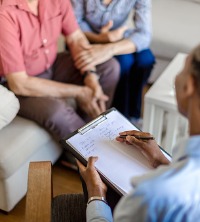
<point>47,83</point>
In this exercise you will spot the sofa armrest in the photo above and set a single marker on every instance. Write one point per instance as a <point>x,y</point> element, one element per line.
<point>39,193</point>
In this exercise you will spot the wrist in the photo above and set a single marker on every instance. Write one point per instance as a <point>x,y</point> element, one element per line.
<point>91,80</point>
<point>89,73</point>
<point>111,49</point>
<point>97,198</point>
<point>96,191</point>
<point>78,91</point>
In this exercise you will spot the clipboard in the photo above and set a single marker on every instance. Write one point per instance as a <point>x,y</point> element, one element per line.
<point>118,162</point>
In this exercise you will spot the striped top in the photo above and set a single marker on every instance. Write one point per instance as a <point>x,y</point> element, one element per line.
<point>93,14</point>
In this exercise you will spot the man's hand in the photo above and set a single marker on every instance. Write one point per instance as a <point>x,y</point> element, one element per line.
<point>93,55</point>
<point>95,186</point>
<point>149,148</point>
<point>78,43</point>
<point>87,102</point>
<point>91,81</point>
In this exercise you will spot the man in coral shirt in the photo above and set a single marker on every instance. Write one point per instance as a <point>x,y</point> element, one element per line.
<point>43,80</point>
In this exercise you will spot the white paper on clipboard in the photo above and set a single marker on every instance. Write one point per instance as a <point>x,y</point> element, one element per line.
<point>117,162</point>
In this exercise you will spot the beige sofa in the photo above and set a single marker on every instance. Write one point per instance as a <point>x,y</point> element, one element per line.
<point>175,29</point>
<point>21,141</point>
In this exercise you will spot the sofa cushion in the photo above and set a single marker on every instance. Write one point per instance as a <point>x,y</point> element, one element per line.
<point>9,106</point>
<point>19,141</point>
<point>175,27</point>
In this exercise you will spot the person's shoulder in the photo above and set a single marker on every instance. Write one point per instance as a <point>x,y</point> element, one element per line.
<point>170,184</point>
<point>163,203</point>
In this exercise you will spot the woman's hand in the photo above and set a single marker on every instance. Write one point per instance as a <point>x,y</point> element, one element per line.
<point>112,35</point>
<point>95,185</point>
<point>149,148</point>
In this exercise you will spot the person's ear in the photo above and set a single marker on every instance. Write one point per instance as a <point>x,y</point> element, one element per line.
<point>190,86</point>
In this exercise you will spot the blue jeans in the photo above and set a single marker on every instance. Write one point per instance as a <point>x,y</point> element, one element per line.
<point>135,71</point>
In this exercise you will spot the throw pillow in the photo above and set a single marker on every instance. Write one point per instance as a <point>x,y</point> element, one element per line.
<point>9,106</point>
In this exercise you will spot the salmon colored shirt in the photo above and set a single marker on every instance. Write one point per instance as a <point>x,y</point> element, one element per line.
<point>28,42</point>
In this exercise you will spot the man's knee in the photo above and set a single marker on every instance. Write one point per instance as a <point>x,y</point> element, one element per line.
<point>60,118</point>
<point>110,71</point>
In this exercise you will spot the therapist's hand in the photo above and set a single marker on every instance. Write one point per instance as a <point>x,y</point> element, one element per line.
<point>95,185</point>
<point>148,148</point>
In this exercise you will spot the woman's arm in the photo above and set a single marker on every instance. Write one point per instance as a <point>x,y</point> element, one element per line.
<point>141,35</point>
<point>78,6</point>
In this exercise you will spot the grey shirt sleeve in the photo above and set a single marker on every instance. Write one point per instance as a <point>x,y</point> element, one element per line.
<point>79,12</point>
<point>142,33</point>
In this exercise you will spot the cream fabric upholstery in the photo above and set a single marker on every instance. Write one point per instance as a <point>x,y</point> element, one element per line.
<point>21,145</point>
<point>22,141</point>
<point>9,106</point>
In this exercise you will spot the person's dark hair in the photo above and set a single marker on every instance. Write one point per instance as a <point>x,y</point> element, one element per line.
<point>195,65</point>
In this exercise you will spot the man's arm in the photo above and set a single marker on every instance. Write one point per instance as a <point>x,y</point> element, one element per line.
<point>100,53</point>
<point>87,56</point>
<point>78,43</point>
<point>22,84</point>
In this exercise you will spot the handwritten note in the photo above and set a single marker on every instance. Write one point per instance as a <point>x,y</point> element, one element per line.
<point>118,162</point>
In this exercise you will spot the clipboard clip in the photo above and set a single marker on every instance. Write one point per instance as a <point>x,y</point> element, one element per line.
<point>92,124</point>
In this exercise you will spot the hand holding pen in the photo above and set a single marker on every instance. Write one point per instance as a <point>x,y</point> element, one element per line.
<point>146,144</point>
<point>138,137</point>
<point>136,134</point>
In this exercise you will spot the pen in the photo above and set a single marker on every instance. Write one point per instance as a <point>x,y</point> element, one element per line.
<point>138,137</point>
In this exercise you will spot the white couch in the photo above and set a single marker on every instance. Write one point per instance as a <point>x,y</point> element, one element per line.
<point>21,141</point>
<point>175,29</point>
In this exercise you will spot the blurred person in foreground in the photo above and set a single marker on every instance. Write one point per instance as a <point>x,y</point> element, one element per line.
<point>171,191</point>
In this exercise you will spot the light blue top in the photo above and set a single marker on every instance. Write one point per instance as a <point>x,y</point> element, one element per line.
<point>93,14</point>
<point>169,193</point>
